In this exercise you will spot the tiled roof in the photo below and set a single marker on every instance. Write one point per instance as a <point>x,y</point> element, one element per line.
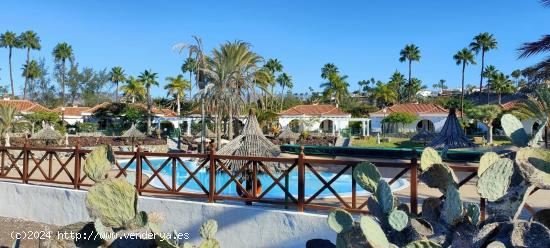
<point>156,111</point>
<point>25,106</point>
<point>72,111</point>
<point>314,110</point>
<point>509,105</point>
<point>415,108</point>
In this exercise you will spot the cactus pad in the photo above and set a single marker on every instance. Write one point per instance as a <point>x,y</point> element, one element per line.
<point>438,176</point>
<point>428,158</point>
<point>422,227</point>
<point>514,130</point>
<point>99,162</point>
<point>423,244</point>
<point>373,232</point>
<point>208,229</point>
<point>398,220</point>
<point>473,212</point>
<point>209,243</point>
<point>367,176</point>
<point>534,163</point>
<point>384,197</point>
<point>452,207</point>
<point>113,201</point>
<point>486,160</point>
<point>495,180</point>
<point>340,220</point>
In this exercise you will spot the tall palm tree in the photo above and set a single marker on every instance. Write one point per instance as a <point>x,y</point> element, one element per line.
<point>190,65</point>
<point>336,87</point>
<point>29,40</point>
<point>32,71</point>
<point>489,72</point>
<point>62,52</point>
<point>328,68</point>
<point>117,75</point>
<point>177,86</point>
<point>10,41</point>
<point>483,43</point>
<point>409,54</point>
<point>284,80</point>
<point>133,88</point>
<point>149,79</point>
<point>463,57</point>
<point>397,81</point>
<point>516,74</point>
<point>501,84</point>
<point>273,66</point>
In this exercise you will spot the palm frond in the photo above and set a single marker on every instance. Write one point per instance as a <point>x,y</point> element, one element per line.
<point>532,48</point>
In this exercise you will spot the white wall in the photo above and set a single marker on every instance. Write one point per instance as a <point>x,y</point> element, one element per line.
<point>339,122</point>
<point>438,122</point>
<point>239,226</point>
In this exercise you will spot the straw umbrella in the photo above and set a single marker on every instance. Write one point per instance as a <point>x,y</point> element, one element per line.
<point>48,135</point>
<point>423,136</point>
<point>451,136</point>
<point>208,133</point>
<point>251,142</point>
<point>133,133</point>
<point>287,135</point>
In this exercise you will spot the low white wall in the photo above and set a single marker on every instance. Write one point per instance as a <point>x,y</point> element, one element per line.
<point>239,226</point>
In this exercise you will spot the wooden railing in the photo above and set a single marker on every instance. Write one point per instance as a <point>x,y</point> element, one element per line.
<point>63,166</point>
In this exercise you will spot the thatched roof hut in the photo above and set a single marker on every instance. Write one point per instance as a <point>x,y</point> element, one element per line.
<point>47,134</point>
<point>207,133</point>
<point>133,132</point>
<point>251,142</point>
<point>288,134</point>
<point>452,135</point>
<point>423,136</point>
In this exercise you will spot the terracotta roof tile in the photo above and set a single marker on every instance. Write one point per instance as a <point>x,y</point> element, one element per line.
<point>72,111</point>
<point>321,109</point>
<point>415,108</point>
<point>156,111</point>
<point>25,106</point>
<point>509,105</point>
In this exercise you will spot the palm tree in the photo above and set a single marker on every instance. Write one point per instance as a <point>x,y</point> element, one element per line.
<point>284,80</point>
<point>32,71</point>
<point>133,88</point>
<point>384,93</point>
<point>177,86</point>
<point>10,41</point>
<point>328,68</point>
<point>483,43</point>
<point>29,40</point>
<point>463,57</point>
<point>149,79</point>
<point>61,53</point>
<point>273,66</point>
<point>8,118</point>
<point>440,85</point>
<point>397,81</point>
<point>486,114</point>
<point>415,86</point>
<point>190,66</point>
<point>501,84</point>
<point>410,53</point>
<point>516,74</point>
<point>336,87</point>
<point>117,76</point>
<point>489,72</point>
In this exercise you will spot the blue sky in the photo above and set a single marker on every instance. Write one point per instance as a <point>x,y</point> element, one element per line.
<point>362,38</point>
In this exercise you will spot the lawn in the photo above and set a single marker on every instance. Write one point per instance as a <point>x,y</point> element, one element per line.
<point>394,143</point>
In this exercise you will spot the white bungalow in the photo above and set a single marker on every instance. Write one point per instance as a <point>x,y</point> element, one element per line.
<point>431,117</point>
<point>317,117</point>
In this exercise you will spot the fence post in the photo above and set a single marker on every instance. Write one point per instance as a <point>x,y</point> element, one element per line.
<point>77,165</point>
<point>138,169</point>
<point>482,208</point>
<point>212,172</point>
<point>414,182</point>
<point>25,162</point>
<point>301,180</point>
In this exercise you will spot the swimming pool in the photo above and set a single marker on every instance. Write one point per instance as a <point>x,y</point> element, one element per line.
<point>342,185</point>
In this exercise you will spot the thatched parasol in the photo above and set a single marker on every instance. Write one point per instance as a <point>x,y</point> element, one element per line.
<point>251,142</point>
<point>451,135</point>
<point>133,133</point>
<point>48,134</point>
<point>423,136</point>
<point>288,134</point>
<point>207,133</point>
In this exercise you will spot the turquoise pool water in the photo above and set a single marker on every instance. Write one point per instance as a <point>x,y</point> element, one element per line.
<point>342,185</point>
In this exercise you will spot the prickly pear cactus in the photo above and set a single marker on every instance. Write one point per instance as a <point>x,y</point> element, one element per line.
<point>514,130</point>
<point>104,232</point>
<point>99,162</point>
<point>142,219</point>
<point>422,244</point>
<point>487,160</point>
<point>495,180</point>
<point>373,232</point>
<point>340,220</point>
<point>452,207</point>
<point>398,220</point>
<point>473,212</point>
<point>367,176</point>
<point>429,157</point>
<point>113,201</point>
<point>438,176</point>
<point>534,164</point>
<point>384,197</point>
<point>207,232</point>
